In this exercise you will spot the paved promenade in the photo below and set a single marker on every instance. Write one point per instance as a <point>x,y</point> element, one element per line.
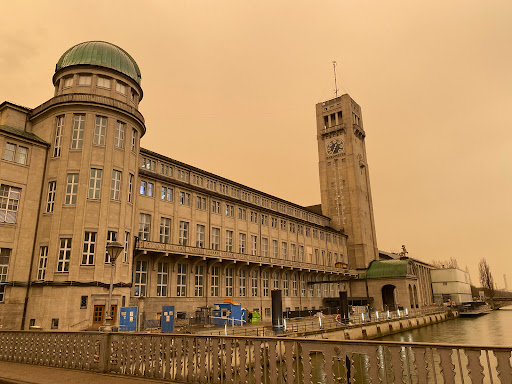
<point>16,373</point>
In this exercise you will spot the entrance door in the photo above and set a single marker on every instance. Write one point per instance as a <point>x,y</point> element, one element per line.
<point>388,297</point>
<point>99,316</point>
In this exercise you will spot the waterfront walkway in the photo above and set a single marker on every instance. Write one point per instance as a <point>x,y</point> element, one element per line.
<point>17,373</point>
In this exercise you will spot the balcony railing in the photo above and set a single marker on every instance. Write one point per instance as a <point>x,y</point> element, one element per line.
<point>154,246</point>
<point>268,360</point>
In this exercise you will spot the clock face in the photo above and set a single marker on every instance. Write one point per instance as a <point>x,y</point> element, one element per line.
<point>334,147</point>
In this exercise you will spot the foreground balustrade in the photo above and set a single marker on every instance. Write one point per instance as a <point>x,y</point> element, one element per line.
<point>220,359</point>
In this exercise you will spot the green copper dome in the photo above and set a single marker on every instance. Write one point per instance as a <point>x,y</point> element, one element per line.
<point>102,54</point>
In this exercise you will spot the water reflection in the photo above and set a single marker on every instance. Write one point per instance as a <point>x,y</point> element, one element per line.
<point>491,329</point>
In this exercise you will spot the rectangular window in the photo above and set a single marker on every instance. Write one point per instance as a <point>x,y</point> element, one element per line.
<point>200,236</point>
<point>242,214</point>
<point>10,151</point>
<point>215,206</point>
<point>216,238</point>
<point>242,242</point>
<point>242,283</point>
<point>317,257</point>
<point>64,255</point>
<point>273,222</point>
<point>162,279</point>
<point>78,131</point>
<point>264,220</point>
<point>119,138</point>
<point>301,253</point>
<point>229,282</point>
<point>22,155</point>
<point>144,226</point>
<point>165,230</point>
<point>254,283</point>
<point>50,201</point>
<point>293,251</point>
<point>99,130</point>
<point>201,203</point>
<point>274,249</point>
<point>95,184</point>
<point>181,280</point>
<point>284,251</point>
<point>121,87</point>
<point>264,247</point>
<point>229,241</point>
<point>103,82</point>
<point>130,188</point>
<point>275,279</point>
<point>141,278</point>
<point>115,188</point>
<point>58,136</point>
<point>126,246</point>
<point>5,255</point>
<point>111,237</point>
<point>266,283</point>
<point>286,287</point>
<point>143,187</point>
<point>71,189</point>
<point>230,210</point>
<point>302,286</point>
<point>9,202</point>
<point>68,81</point>
<point>84,79</point>
<point>166,194</point>
<point>134,139</point>
<point>214,281</point>
<point>149,191</point>
<point>184,198</point>
<point>89,248</point>
<point>283,225</point>
<point>43,261</point>
<point>254,245</point>
<point>199,281</point>
<point>183,235</point>
<point>254,217</point>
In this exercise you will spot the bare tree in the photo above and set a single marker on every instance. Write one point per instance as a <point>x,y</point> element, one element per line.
<point>467,271</point>
<point>486,278</point>
<point>441,264</point>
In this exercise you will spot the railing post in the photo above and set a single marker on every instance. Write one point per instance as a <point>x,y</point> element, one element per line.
<point>104,358</point>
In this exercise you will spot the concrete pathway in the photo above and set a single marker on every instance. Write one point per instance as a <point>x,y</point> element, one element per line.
<point>16,373</point>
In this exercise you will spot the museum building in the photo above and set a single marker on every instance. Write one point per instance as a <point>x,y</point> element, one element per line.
<point>73,177</point>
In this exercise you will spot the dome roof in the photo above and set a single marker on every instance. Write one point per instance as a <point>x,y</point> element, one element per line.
<point>102,54</point>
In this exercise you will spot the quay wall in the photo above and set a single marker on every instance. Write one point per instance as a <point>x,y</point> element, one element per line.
<point>375,330</point>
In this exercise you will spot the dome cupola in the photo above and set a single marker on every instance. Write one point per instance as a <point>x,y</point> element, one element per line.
<point>102,54</point>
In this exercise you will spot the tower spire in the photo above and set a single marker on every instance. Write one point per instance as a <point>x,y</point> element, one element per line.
<point>335,83</point>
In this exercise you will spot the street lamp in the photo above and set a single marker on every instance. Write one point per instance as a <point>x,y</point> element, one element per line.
<point>114,249</point>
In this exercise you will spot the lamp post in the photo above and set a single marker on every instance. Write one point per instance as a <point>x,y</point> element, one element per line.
<point>114,249</point>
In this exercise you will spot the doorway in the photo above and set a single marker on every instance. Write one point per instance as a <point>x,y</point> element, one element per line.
<point>388,297</point>
<point>98,317</point>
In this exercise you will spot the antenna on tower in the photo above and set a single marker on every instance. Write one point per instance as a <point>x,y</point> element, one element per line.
<point>335,84</point>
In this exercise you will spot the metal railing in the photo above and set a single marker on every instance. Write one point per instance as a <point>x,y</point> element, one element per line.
<point>268,360</point>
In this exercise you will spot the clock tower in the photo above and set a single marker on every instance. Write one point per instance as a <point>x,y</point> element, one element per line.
<point>344,177</point>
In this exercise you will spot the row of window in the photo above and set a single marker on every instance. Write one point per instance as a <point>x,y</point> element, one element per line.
<point>205,182</point>
<point>94,190</point>
<point>85,79</point>
<point>249,282</point>
<point>147,188</point>
<point>15,153</point>
<point>245,245</point>
<point>89,251</point>
<point>100,129</point>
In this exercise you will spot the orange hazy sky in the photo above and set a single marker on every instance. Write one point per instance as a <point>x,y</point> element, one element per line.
<point>231,87</point>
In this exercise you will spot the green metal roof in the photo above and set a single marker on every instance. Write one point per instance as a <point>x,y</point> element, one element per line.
<point>22,133</point>
<point>387,268</point>
<point>102,54</point>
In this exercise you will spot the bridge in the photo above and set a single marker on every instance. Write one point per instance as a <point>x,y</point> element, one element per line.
<point>268,360</point>
<point>498,302</point>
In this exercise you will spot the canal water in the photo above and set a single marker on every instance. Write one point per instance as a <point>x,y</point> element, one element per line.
<point>492,329</point>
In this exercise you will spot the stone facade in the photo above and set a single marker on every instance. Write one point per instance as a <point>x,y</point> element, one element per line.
<point>74,177</point>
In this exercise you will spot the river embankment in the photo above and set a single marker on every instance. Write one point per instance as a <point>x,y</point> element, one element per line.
<point>377,329</point>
